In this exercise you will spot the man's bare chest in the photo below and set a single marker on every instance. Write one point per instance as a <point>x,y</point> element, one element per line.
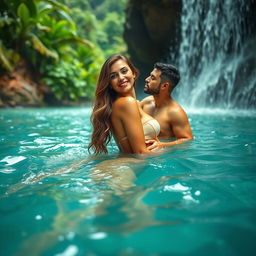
<point>161,115</point>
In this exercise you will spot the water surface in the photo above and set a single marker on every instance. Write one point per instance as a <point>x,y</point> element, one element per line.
<point>197,198</point>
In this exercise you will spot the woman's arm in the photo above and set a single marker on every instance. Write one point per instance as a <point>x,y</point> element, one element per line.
<point>125,110</point>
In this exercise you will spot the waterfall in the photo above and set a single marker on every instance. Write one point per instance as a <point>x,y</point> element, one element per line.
<point>216,61</point>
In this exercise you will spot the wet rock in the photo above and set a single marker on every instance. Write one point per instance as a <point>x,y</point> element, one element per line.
<point>18,89</point>
<point>151,28</point>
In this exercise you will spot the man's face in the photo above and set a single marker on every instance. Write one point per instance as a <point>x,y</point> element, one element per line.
<point>153,82</point>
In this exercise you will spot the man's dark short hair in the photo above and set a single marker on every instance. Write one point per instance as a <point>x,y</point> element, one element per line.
<point>168,73</point>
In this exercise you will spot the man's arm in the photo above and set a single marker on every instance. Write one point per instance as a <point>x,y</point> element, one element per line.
<point>145,101</point>
<point>180,128</point>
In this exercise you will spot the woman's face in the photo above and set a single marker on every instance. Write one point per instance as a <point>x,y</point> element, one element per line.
<point>121,77</point>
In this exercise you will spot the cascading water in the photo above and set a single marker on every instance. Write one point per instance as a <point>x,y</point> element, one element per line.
<point>216,61</point>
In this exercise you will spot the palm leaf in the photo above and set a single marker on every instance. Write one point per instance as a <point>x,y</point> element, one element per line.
<point>39,46</point>
<point>5,63</point>
<point>43,28</point>
<point>58,5</point>
<point>75,40</point>
<point>66,16</point>
<point>23,13</point>
<point>8,58</point>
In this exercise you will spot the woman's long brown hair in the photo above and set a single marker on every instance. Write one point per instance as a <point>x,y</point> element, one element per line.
<point>102,109</point>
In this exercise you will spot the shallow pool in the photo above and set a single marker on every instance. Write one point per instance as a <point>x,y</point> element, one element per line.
<point>196,198</point>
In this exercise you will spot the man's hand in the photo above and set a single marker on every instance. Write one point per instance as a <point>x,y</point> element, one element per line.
<point>153,144</point>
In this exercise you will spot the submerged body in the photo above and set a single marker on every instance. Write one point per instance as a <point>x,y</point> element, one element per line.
<point>126,133</point>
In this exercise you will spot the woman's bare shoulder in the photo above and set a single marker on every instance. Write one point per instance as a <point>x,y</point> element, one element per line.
<point>125,101</point>
<point>125,106</point>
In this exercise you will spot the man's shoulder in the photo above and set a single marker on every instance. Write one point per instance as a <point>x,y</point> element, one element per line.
<point>147,100</point>
<point>175,110</point>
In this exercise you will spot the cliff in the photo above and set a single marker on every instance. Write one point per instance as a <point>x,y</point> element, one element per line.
<point>151,29</point>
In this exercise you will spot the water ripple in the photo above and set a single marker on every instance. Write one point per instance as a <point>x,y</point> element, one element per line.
<point>11,160</point>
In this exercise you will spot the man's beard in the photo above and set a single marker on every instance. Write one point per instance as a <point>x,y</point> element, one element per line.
<point>150,91</point>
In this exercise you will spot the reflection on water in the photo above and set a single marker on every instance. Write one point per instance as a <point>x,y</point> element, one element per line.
<point>56,199</point>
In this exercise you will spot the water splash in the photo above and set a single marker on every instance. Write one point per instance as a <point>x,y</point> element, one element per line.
<point>218,65</point>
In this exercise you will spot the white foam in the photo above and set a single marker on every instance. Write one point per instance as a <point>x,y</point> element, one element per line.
<point>220,111</point>
<point>7,170</point>
<point>97,236</point>
<point>176,187</point>
<point>10,160</point>
<point>71,250</point>
<point>190,198</point>
<point>198,193</point>
<point>38,217</point>
<point>33,134</point>
<point>70,235</point>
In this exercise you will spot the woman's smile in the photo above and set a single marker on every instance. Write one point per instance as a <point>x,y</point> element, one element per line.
<point>123,83</point>
<point>121,77</point>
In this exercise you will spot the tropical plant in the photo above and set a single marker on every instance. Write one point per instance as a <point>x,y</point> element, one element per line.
<point>103,22</point>
<point>43,33</point>
<point>8,57</point>
<point>34,24</point>
<point>74,79</point>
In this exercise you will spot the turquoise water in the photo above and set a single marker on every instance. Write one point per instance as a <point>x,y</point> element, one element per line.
<point>193,199</point>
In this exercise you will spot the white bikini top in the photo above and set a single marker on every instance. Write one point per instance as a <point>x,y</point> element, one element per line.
<point>151,129</point>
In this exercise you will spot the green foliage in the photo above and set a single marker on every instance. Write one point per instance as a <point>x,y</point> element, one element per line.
<point>73,79</point>
<point>65,80</point>
<point>27,28</point>
<point>103,21</point>
<point>103,7</point>
<point>65,41</point>
<point>111,41</point>
<point>8,57</point>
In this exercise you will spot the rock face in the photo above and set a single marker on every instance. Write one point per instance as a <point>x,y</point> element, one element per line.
<point>18,89</point>
<point>151,28</point>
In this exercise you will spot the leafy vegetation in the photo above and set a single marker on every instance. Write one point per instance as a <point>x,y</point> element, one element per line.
<point>63,42</point>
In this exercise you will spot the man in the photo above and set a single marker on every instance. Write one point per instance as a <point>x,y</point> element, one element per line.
<point>172,118</point>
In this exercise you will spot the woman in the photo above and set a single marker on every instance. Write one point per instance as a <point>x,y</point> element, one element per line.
<point>116,111</point>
